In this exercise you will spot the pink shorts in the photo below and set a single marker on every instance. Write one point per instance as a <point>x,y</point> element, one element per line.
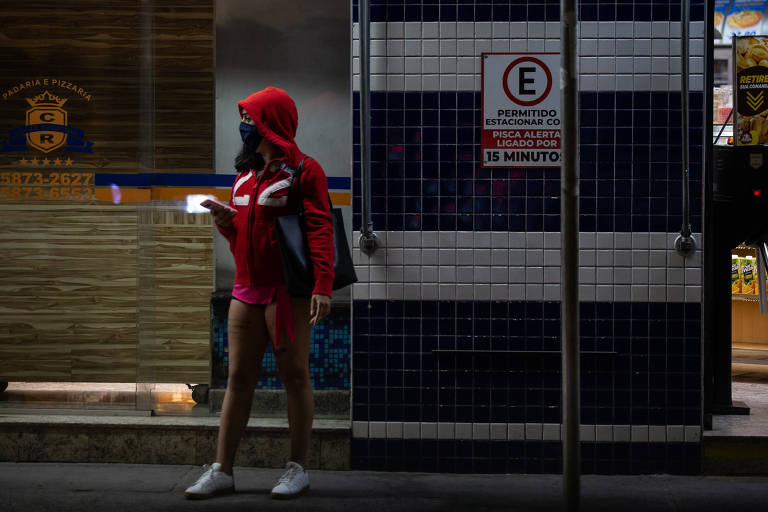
<point>263,295</point>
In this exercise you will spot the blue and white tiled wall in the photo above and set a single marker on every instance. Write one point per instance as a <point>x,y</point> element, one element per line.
<point>456,318</point>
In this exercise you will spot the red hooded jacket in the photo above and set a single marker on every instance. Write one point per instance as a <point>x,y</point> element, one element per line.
<point>260,196</point>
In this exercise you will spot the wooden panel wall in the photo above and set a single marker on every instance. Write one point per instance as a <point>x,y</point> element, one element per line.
<point>116,51</point>
<point>105,294</point>
<point>102,292</point>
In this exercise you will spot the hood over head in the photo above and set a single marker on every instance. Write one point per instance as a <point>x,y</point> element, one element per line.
<point>274,113</point>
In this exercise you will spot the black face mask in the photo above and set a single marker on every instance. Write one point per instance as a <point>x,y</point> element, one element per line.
<point>250,135</point>
<point>247,160</point>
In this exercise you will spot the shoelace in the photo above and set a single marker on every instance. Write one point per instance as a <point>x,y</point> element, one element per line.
<point>208,471</point>
<point>288,475</point>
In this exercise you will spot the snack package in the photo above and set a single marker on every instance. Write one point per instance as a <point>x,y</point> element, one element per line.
<point>750,55</point>
<point>747,271</point>
<point>735,275</point>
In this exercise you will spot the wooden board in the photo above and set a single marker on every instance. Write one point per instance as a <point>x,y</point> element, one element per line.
<point>104,293</point>
<point>748,326</point>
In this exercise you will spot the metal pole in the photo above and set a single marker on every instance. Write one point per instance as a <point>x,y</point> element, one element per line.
<point>569,270</point>
<point>685,244</point>
<point>368,240</point>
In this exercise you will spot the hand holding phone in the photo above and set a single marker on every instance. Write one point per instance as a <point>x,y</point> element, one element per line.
<point>222,213</point>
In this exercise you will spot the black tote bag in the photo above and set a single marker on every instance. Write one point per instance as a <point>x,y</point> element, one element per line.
<point>294,249</point>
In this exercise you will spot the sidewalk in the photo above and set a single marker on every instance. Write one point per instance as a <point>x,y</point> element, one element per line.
<point>32,487</point>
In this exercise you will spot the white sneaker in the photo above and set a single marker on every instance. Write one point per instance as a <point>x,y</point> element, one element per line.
<point>212,483</point>
<point>293,482</point>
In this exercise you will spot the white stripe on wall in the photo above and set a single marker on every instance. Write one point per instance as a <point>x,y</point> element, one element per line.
<point>445,56</point>
<point>524,432</point>
<point>468,265</point>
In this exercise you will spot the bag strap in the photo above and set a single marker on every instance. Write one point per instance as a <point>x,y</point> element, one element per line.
<point>297,183</point>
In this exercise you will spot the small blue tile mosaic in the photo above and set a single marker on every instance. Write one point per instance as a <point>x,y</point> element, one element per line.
<point>329,352</point>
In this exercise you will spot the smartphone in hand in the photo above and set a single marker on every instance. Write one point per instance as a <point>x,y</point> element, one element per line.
<point>215,205</point>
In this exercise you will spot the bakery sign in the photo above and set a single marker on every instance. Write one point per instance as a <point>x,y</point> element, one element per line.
<point>521,110</point>
<point>750,57</point>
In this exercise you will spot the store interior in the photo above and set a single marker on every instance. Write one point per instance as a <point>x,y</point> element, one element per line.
<point>749,328</point>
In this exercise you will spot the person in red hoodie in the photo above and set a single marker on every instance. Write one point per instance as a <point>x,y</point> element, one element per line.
<point>261,309</point>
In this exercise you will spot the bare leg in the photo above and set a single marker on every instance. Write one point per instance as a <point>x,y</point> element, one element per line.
<point>293,366</point>
<point>247,342</point>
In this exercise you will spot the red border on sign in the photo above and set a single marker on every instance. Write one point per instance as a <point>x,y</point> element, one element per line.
<point>512,96</point>
<point>482,107</point>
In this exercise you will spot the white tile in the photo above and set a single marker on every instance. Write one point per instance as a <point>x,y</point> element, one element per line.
<point>466,48</point>
<point>463,431</point>
<point>377,429</point>
<point>431,82</point>
<point>552,240</point>
<point>413,30</point>
<point>500,292</point>
<point>552,292</point>
<point>621,433</point>
<point>430,29</point>
<point>642,29</point>
<point>603,433</point>
<point>604,293</point>
<point>445,430</point>
<point>378,291</point>
<point>429,238</point>
<point>639,433</point>
<point>430,292</point>
<point>675,293</point>
<point>516,292</point>
<point>448,29</point>
<point>448,47</point>
<point>498,431</point>
<point>588,29</point>
<point>675,433</point>
<point>395,291</point>
<point>533,431</point>
<point>553,30</point>
<point>500,29</point>
<point>587,433</point>
<point>482,292</point>
<point>604,240</point>
<point>517,240</point>
<point>551,432</point>
<point>518,29</point>
<point>428,430</point>
<point>481,431</point>
<point>693,294</point>
<point>588,240</point>
<point>622,293</point>
<point>482,239</point>
<point>534,258</point>
<point>536,45</point>
<point>430,47</point>
<point>465,292</point>
<point>411,430</point>
<point>657,433</point>
<point>392,30</point>
<point>465,30</point>
<point>552,275</point>
<point>515,431</point>
<point>587,292</point>
<point>394,430</point>
<point>517,257</point>
<point>360,429</point>
<point>534,240</point>
<point>692,434</point>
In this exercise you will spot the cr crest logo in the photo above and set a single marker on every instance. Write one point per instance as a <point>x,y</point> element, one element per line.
<point>46,110</point>
<point>47,126</point>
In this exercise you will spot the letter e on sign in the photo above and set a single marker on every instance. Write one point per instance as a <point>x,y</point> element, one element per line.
<point>527,81</point>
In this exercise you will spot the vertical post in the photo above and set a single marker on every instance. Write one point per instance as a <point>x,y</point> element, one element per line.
<point>368,240</point>
<point>569,270</point>
<point>685,244</point>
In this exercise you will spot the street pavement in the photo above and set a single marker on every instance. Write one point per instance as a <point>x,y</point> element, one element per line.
<point>61,487</point>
